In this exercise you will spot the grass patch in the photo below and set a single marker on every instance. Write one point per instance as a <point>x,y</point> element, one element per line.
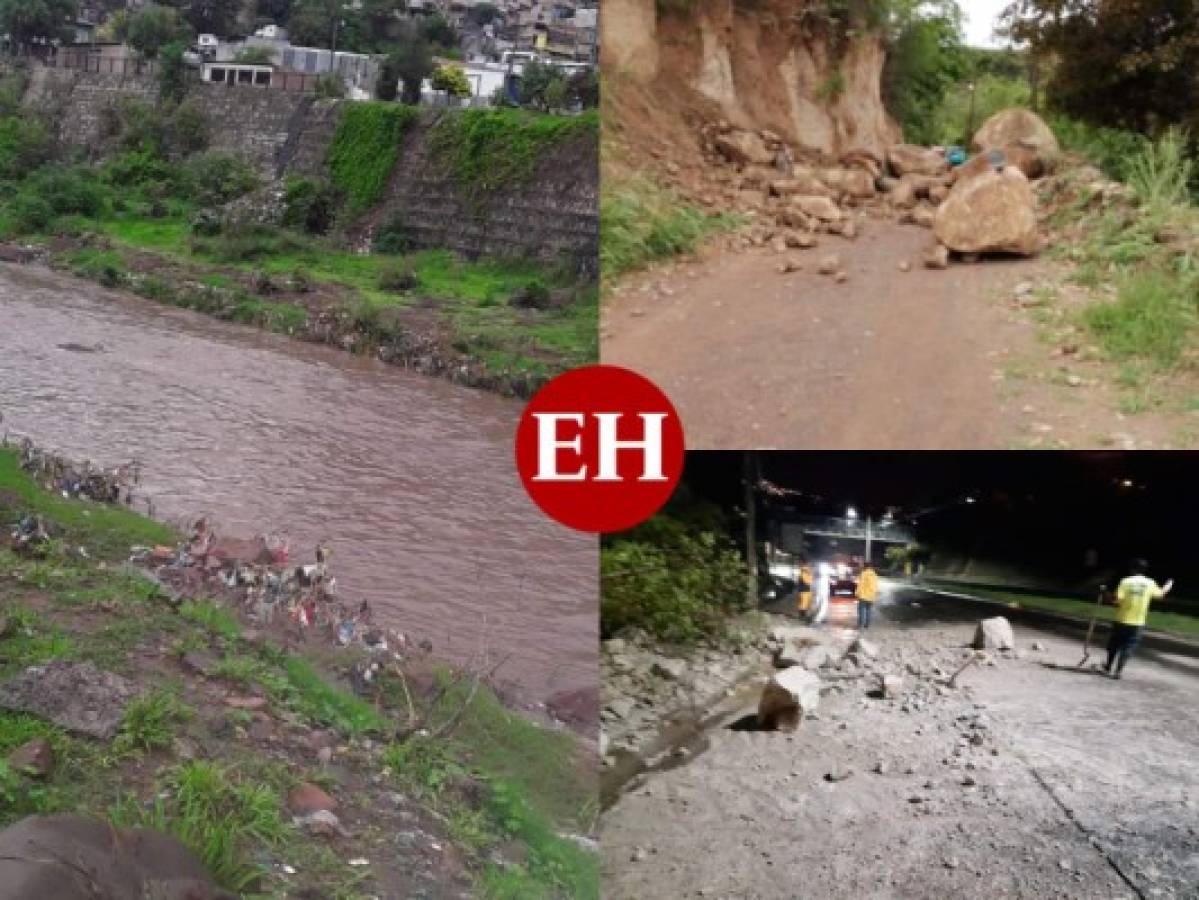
<point>327,705</point>
<point>488,150</point>
<point>641,222</point>
<point>211,616</point>
<point>1151,318</point>
<point>217,815</point>
<point>107,531</point>
<point>1171,622</point>
<point>365,149</point>
<point>150,721</point>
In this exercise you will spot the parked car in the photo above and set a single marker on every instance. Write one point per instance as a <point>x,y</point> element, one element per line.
<point>843,580</point>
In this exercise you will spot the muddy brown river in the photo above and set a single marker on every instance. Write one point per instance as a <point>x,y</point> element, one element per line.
<point>409,479</point>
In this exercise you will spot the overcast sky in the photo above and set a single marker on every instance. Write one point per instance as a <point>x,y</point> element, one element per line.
<point>980,20</point>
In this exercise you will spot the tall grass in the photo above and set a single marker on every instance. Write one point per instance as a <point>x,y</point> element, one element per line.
<point>1161,173</point>
<point>641,222</point>
<point>1152,317</point>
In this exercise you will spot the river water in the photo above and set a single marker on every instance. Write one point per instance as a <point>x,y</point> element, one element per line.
<point>409,479</point>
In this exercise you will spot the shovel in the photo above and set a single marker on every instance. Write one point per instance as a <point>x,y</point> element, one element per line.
<point>1086,645</point>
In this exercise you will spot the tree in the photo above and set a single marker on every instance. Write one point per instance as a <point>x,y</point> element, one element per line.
<point>538,85</point>
<point>437,31</point>
<point>217,17</point>
<point>153,27</point>
<point>924,59</point>
<point>583,88</point>
<point>482,14</point>
<point>26,21</point>
<point>410,63</point>
<point>1119,63</point>
<point>172,72</point>
<point>452,80</point>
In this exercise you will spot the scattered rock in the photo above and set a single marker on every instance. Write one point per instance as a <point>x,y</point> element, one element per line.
<point>829,265</point>
<point>239,702</point>
<point>799,240</point>
<point>841,276</point>
<point>863,647</point>
<point>994,634</point>
<point>821,208</point>
<point>307,798</point>
<point>34,758</point>
<point>669,669</point>
<point>936,257</point>
<point>790,265</point>
<point>1038,646</point>
<point>905,265</point>
<point>788,696</point>
<point>910,159</point>
<point>744,148</point>
<point>891,686</point>
<point>839,772</point>
<point>76,696</point>
<point>993,212</point>
<point>321,823</point>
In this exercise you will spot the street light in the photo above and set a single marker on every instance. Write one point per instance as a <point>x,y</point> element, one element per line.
<point>851,513</point>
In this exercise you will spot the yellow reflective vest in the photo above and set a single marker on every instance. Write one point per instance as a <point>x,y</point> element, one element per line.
<point>868,585</point>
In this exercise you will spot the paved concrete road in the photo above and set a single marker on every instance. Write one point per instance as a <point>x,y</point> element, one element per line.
<point>1029,779</point>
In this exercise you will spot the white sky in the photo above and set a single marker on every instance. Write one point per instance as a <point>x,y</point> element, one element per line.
<point>980,16</point>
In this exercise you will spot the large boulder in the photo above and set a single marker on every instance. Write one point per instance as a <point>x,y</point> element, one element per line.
<point>68,857</point>
<point>789,695</point>
<point>744,148</point>
<point>76,696</point>
<point>994,634</point>
<point>910,159</point>
<point>859,184</point>
<point>991,212</point>
<point>1020,127</point>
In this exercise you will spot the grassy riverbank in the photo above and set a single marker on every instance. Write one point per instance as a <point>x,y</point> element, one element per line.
<point>155,210</point>
<point>481,811</point>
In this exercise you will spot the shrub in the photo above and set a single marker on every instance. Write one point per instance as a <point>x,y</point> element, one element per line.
<point>398,277</point>
<point>310,205</point>
<point>25,144</point>
<point>393,236</point>
<point>534,295</point>
<point>206,222</point>
<point>187,128</point>
<point>141,170</point>
<point>29,213</point>
<point>676,576</point>
<point>242,243</point>
<point>330,87</point>
<point>213,178</point>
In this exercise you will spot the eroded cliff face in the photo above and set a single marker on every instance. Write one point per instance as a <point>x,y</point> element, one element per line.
<point>772,64</point>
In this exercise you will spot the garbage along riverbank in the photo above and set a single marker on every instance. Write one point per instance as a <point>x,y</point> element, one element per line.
<point>218,691</point>
<point>925,766</point>
<point>407,479</point>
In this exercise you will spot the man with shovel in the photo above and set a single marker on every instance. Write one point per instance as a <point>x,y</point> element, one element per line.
<point>1133,597</point>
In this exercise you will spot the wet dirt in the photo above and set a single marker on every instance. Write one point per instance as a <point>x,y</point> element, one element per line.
<point>1031,779</point>
<point>409,479</point>
<point>888,359</point>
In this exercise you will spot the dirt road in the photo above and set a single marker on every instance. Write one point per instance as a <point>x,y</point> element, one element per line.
<point>923,359</point>
<point>1024,781</point>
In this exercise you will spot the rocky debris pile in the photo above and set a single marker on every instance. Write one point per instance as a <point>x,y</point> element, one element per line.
<point>72,858</point>
<point>76,696</point>
<point>985,205</point>
<point>641,685</point>
<point>81,481</point>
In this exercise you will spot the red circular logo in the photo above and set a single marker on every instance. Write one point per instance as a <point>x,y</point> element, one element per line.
<point>600,448</point>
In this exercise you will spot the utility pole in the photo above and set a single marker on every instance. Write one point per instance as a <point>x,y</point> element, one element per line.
<point>749,461</point>
<point>868,535</point>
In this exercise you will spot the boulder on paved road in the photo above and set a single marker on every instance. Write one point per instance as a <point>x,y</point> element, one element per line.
<point>992,212</point>
<point>788,696</point>
<point>994,634</point>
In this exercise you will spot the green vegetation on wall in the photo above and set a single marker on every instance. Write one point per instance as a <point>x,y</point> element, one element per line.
<point>365,149</point>
<point>490,149</point>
